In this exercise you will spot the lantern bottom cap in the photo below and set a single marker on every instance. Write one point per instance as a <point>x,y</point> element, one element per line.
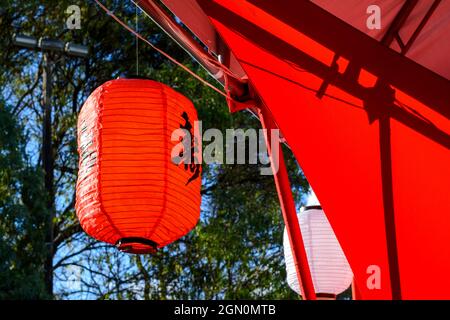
<point>325,296</point>
<point>137,245</point>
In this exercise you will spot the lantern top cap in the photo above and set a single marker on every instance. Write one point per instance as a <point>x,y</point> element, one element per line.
<point>135,77</point>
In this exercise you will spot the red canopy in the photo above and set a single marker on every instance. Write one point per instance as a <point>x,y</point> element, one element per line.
<point>430,19</point>
<point>369,125</point>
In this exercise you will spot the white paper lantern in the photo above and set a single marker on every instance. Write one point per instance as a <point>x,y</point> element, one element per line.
<point>330,271</point>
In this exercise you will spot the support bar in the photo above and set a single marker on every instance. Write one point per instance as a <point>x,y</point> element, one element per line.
<point>289,212</point>
<point>185,40</point>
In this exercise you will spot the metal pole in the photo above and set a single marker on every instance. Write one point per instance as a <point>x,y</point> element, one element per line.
<point>289,211</point>
<point>48,165</point>
<point>48,157</point>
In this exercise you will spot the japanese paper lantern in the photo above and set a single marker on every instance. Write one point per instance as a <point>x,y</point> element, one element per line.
<point>129,191</point>
<point>330,271</point>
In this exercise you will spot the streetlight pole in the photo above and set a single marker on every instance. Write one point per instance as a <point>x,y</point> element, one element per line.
<point>48,165</point>
<point>48,158</point>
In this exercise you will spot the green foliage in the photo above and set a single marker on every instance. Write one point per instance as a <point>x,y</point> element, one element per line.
<point>22,213</point>
<point>236,249</point>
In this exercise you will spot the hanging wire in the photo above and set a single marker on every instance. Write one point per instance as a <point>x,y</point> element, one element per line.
<point>137,41</point>
<point>139,36</point>
<point>208,58</point>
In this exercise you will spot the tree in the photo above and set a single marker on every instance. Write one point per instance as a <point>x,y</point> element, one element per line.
<point>22,212</point>
<point>234,252</point>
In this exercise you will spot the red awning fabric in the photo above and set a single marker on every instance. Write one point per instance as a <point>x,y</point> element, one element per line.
<point>430,48</point>
<point>369,127</point>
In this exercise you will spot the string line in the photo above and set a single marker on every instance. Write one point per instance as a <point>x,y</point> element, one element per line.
<point>137,41</point>
<point>179,64</point>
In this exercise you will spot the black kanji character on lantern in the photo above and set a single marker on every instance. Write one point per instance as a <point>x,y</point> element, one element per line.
<point>191,164</point>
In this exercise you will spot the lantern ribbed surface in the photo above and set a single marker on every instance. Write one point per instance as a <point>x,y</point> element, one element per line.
<point>129,191</point>
<point>330,271</point>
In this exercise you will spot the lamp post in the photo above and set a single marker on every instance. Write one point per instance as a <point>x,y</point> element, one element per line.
<point>48,46</point>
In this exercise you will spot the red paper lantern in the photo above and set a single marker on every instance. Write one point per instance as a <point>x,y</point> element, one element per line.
<point>129,191</point>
